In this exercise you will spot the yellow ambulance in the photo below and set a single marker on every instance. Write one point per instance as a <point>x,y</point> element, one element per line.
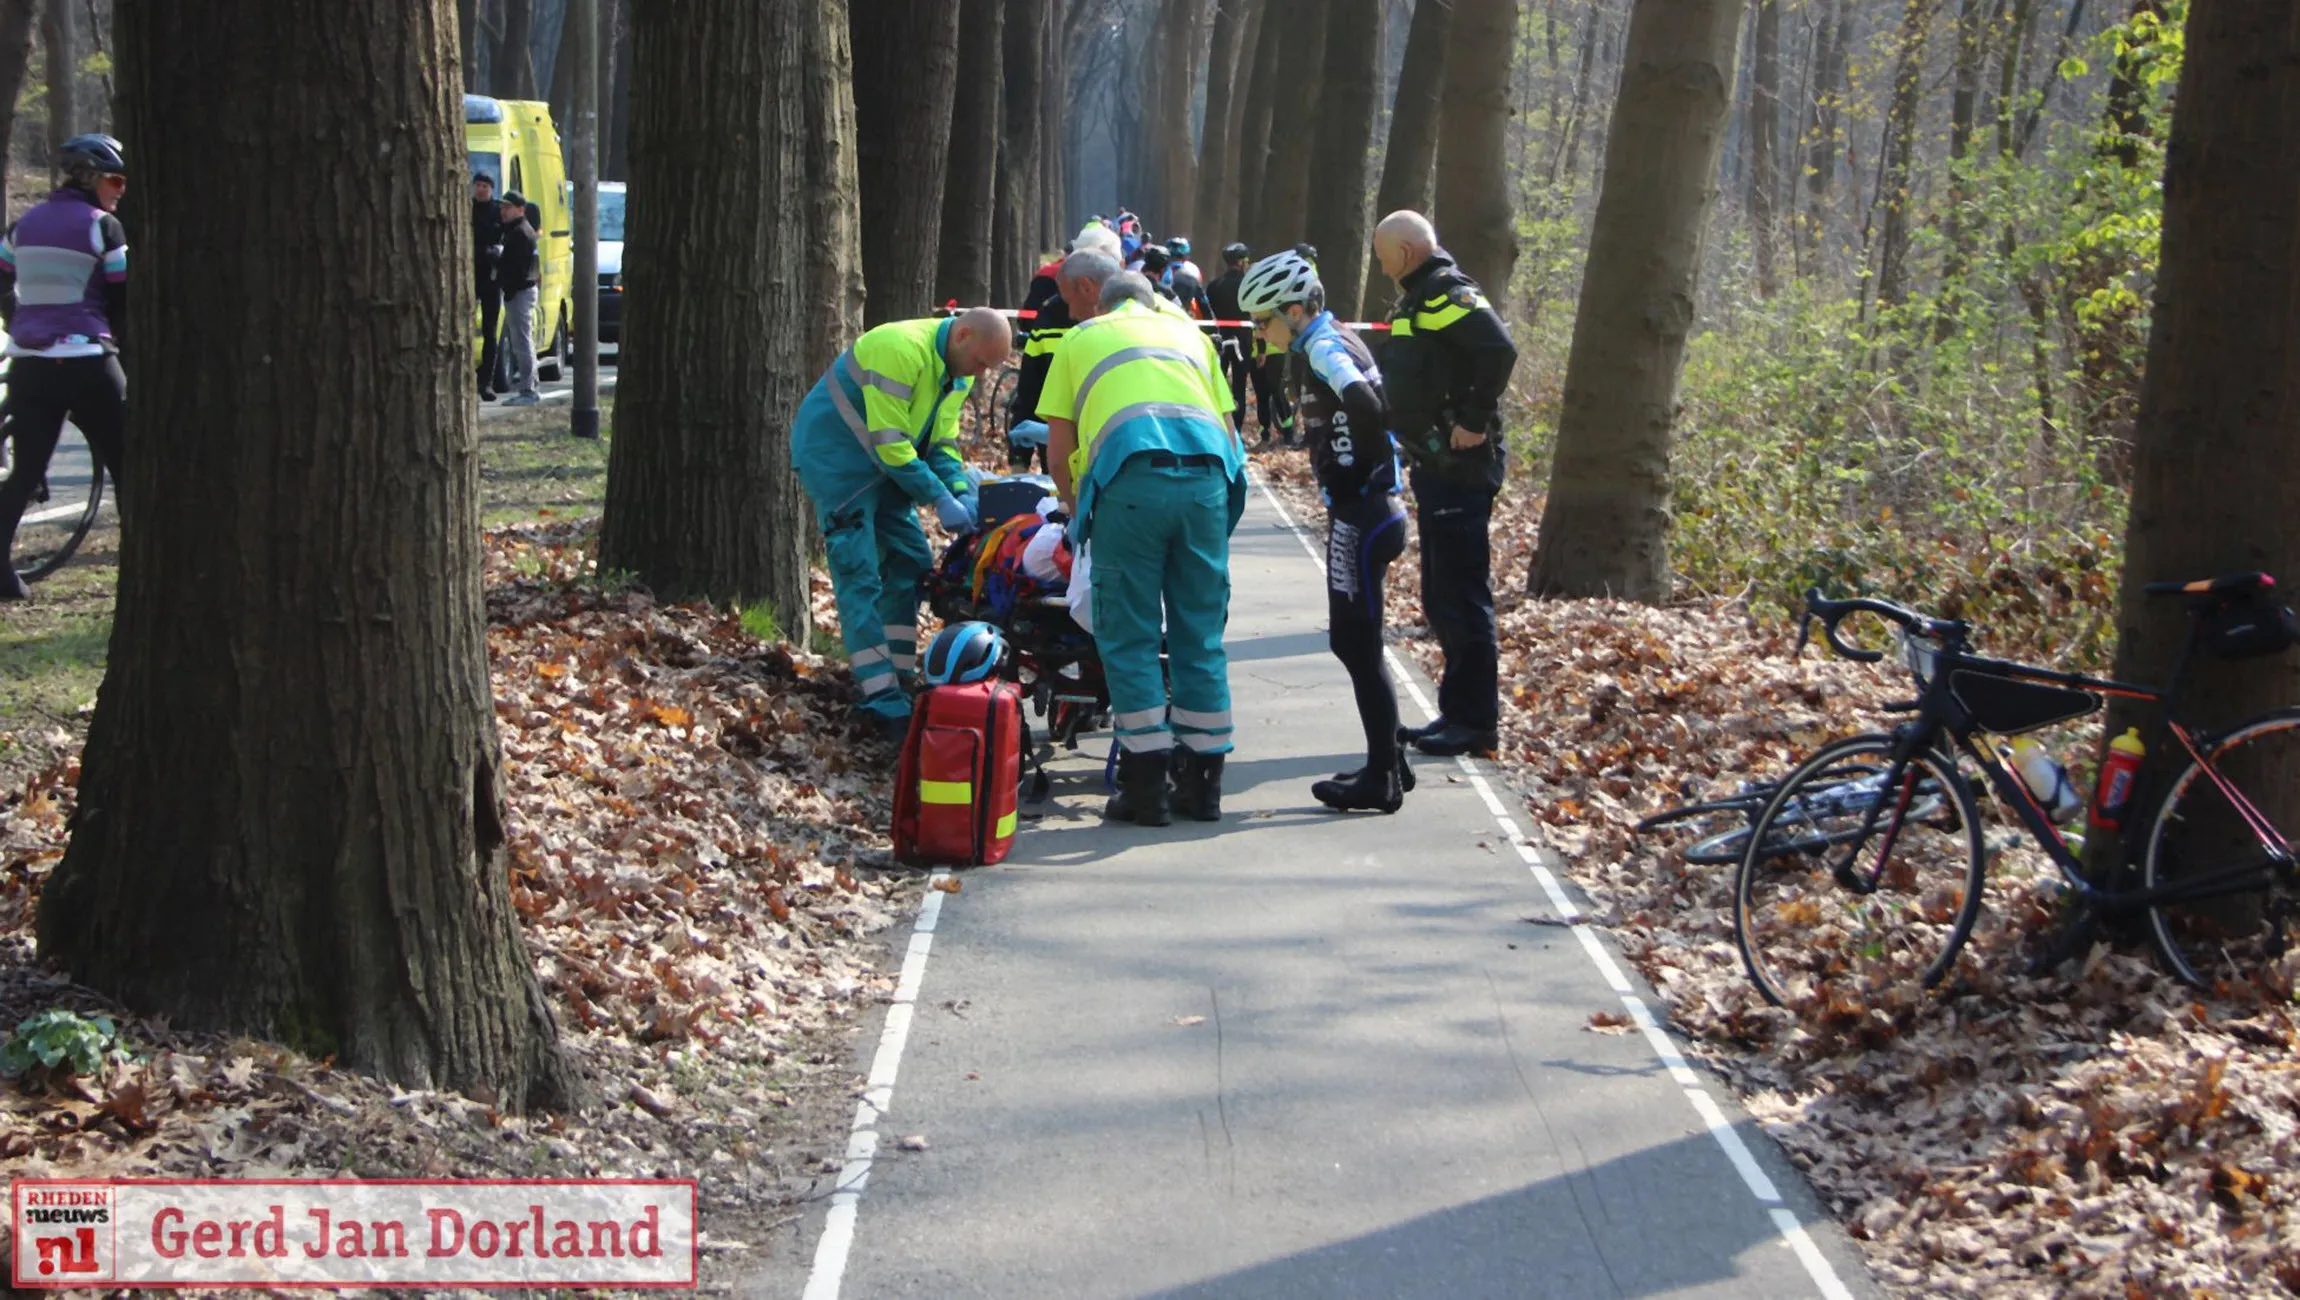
<point>514,142</point>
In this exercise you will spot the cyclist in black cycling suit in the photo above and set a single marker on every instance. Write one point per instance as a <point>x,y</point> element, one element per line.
<point>1344,419</point>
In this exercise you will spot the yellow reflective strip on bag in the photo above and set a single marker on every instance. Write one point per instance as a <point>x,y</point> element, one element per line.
<point>958,792</point>
<point>1006,825</point>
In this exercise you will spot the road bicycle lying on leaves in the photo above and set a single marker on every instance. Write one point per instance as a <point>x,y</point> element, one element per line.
<point>1721,826</point>
<point>1887,889</point>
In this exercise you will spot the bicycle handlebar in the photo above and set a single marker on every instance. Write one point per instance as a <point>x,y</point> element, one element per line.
<point>1831,613</point>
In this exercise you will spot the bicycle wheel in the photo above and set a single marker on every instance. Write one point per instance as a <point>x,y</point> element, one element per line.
<point>62,511</point>
<point>1807,939</point>
<point>2243,914</point>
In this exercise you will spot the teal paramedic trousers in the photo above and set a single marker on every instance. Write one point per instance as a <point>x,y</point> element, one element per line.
<point>1160,543</point>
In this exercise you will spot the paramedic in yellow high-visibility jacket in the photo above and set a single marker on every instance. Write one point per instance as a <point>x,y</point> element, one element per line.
<point>876,437</point>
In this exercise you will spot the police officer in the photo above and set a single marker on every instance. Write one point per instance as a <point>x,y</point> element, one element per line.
<point>876,436</point>
<point>1447,364</point>
<point>1135,408</point>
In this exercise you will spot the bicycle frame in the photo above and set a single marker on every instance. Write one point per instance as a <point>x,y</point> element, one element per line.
<point>1939,713</point>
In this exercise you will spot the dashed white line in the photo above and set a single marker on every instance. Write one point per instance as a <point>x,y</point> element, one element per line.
<point>1713,1117</point>
<point>838,1237</point>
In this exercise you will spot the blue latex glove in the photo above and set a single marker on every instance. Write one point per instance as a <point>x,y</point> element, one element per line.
<point>955,514</point>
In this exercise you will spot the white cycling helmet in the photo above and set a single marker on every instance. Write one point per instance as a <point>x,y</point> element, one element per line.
<point>1277,281</point>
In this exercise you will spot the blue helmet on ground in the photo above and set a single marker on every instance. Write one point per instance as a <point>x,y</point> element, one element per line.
<point>964,652</point>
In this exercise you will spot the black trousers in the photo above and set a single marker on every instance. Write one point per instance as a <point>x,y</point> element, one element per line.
<point>1237,370</point>
<point>1455,514</point>
<point>42,393</point>
<point>490,338</point>
<point>1358,557</point>
<point>1270,404</point>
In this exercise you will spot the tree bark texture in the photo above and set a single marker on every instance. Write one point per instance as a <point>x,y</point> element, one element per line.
<point>1900,149</point>
<point>1349,88</point>
<point>731,144</point>
<point>17,19</point>
<point>1253,165</point>
<point>290,822</point>
<point>467,34</point>
<point>1299,65</point>
<point>1054,191</point>
<point>1473,209</point>
<point>2216,470</point>
<point>970,189</point>
<point>615,110</point>
<point>1214,158</point>
<point>1764,143</point>
<point>905,73</point>
<point>1409,165</point>
<point>1226,224</point>
<point>1605,530</point>
<point>515,57</point>
<point>60,51</point>
<point>1021,163</point>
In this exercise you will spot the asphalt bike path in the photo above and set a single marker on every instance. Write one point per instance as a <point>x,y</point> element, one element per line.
<point>1294,1054</point>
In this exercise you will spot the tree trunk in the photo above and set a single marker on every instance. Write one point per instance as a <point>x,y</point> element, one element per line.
<point>1054,195</point>
<point>1568,165</point>
<point>468,33</point>
<point>1605,531</point>
<point>1821,142</point>
<point>1900,147</point>
<point>1409,163</point>
<point>17,19</point>
<point>729,151</point>
<point>514,59</point>
<point>1020,162</point>
<point>1227,223</point>
<point>962,269</point>
<point>290,823</point>
<point>60,51</point>
<point>832,308</point>
<point>1336,220</point>
<point>616,129</point>
<point>1177,36</point>
<point>1254,131</point>
<point>1963,108</point>
<point>1764,140</point>
<point>2216,470</point>
<point>1214,161</point>
<point>1473,209</point>
<point>906,71</point>
<point>562,75</point>
<point>1300,63</point>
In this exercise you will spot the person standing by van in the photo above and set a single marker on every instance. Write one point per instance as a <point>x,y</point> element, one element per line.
<point>486,253</point>
<point>515,274</point>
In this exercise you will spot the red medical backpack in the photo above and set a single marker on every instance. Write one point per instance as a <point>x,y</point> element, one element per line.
<point>958,790</point>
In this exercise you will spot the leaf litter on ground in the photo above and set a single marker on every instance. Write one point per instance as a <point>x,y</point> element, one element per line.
<point>2099,1131</point>
<point>696,849</point>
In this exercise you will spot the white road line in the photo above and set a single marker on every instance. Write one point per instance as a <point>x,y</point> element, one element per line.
<point>838,1237</point>
<point>1665,1050</point>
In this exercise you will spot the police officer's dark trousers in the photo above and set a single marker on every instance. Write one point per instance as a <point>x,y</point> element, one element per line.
<point>1455,512</point>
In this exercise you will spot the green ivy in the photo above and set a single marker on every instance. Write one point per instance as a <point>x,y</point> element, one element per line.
<point>59,1039</point>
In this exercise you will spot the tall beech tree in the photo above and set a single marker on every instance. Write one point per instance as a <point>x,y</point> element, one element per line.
<point>290,821</point>
<point>1409,160</point>
<point>1473,204</point>
<point>2216,469</point>
<point>963,253</point>
<point>906,69</point>
<point>1348,90</point>
<point>1605,531</point>
<point>742,164</point>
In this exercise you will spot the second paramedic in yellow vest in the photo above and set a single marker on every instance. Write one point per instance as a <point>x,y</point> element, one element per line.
<point>876,436</point>
<point>1142,450</point>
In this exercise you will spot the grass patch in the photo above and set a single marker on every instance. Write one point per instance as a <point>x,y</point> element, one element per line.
<point>760,620</point>
<point>531,466</point>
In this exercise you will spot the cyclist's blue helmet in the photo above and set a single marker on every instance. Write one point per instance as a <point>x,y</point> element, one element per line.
<point>98,152</point>
<point>1179,246</point>
<point>964,652</point>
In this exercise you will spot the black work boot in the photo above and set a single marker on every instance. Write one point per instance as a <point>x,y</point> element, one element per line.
<point>1406,780</point>
<point>1363,790</point>
<point>1409,735</point>
<point>1143,797</point>
<point>1198,786</point>
<point>1458,739</point>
